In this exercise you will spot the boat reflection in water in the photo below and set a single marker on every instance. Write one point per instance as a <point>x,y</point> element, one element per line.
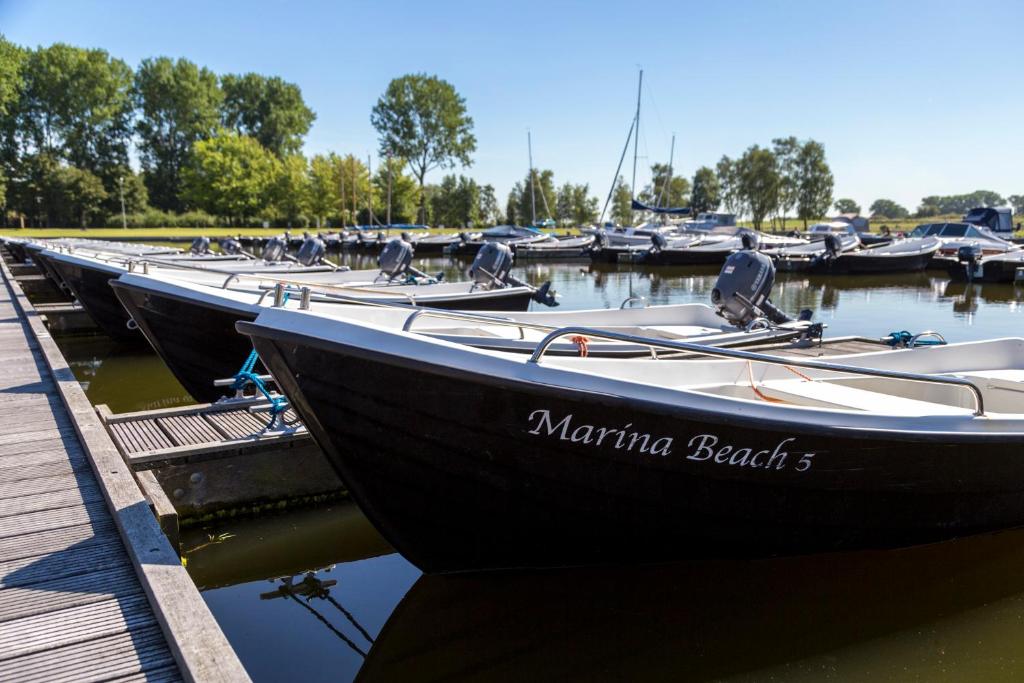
<point>923,612</point>
<point>914,613</point>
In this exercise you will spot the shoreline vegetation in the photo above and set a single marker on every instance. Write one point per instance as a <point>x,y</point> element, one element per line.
<point>88,140</point>
<point>903,225</point>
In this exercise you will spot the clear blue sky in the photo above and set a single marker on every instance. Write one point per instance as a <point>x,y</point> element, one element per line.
<point>910,98</point>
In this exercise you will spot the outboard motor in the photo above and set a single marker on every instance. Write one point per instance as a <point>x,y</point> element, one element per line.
<point>230,246</point>
<point>311,252</point>
<point>833,246</point>
<point>749,240</point>
<point>492,264</point>
<point>395,258</point>
<point>600,241</point>
<point>274,249</point>
<point>658,241</point>
<point>200,245</point>
<point>970,255</point>
<point>741,292</point>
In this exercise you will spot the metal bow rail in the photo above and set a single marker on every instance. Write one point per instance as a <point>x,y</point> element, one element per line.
<point>538,353</point>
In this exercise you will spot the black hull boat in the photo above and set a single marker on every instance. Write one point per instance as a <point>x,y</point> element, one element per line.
<point>470,460</point>
<point>902,256</point>
<point>196,338</point>
<point>971,266</point>
<point>89,282</point>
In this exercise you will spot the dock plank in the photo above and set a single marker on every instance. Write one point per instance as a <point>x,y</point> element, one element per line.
<point>89,587</point>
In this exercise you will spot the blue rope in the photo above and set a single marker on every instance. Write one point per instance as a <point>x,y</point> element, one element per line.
<point>903,337</point>
<point>245,376</point>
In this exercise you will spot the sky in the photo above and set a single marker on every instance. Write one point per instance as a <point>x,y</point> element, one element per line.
<point>909,98</point>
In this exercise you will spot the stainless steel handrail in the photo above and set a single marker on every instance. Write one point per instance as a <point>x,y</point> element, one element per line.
<point>538,353</point>
<point>474,317</point>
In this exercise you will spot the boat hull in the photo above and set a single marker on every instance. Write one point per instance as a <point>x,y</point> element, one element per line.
<point>91,287</point>
<point>462,471</point>
<point>687,257</point>
<point>197,339</point>
<point>856,263</point>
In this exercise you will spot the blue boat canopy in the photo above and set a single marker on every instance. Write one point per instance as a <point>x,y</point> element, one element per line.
<point>678,211</point>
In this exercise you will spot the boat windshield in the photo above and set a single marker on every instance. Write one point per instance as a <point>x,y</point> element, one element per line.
<point>926,229</point>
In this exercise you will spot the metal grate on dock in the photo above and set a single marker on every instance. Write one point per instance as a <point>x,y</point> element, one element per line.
<point>152,437</point>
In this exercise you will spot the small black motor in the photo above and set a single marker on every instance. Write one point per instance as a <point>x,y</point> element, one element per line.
<point>749,240</point>
<point>274,249</point>
<point>658,241</point>
<point>395,258</point>
<point>492,264</point>
<point>311,252</point>
<point>200,245</point>
<point>969,253</point>
<point>230,246</point>
<point>833,245</point>
<point>741,292</point>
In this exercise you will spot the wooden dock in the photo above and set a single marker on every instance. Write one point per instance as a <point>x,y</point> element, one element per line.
<point>90,588</point>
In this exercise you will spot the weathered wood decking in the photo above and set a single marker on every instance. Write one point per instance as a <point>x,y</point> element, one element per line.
<point>89,587</point>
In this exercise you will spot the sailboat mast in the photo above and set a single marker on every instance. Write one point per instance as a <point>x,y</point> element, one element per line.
<point>369,190</point>
<point>389,188</point>
<point>671,154</point>
<point>533,192</point>
<point>636,138</point>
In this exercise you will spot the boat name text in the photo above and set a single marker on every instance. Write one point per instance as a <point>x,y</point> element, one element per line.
<point>700,448</point>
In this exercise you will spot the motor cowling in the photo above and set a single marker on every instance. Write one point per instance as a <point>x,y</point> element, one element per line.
<point>969,254</point>
<point>658,241</point>
<point>200,245</point>
<point>395,258</point>
<point>741,292</point>
<point>492,264</point>
<point>833,245</point>
<point>230,246</point>
<point>749,240</point>
<point>311,252</point>
<point>274,249</point>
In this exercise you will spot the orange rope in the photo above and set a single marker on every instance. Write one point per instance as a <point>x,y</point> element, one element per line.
<point>581,342</point>
<point>757,392</point>
<point>798,373</point>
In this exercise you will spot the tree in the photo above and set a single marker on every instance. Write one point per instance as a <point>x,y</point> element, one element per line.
<point>1017,202</point>
<point>133,187</point>
<point>622,203</point>
<point>291,191</point>
<point>12,59</point>
<point>356,190</point>
<point>540,193</point>
<point>75,106</point>
<point>759,180</point>
<point>512,204</point>
<point>82,195</point>
<point>927,211</point>
<point>231,175</point>
<point>423,120</point>
<point>727,173</point>
<point>814,181</point>
<point>787,150</point>
<point>962,203</point>
<point>664,190</point>
<point>887,208</point>
<point>324,186</point>
<point>404,192</point>
<point>575,206</point>
<point>489,212</point>
<point>456,202</point>
<point>705,193</point>
<point>847,206</point>
<point>268,109</point>
<point>179,105</point>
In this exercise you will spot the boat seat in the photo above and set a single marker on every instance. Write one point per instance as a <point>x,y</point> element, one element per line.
<point>824,394</point>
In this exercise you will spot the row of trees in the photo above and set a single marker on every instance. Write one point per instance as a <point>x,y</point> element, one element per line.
<point>935,205</point>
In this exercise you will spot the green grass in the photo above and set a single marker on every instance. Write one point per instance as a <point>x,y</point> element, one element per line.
<point>143,233</point>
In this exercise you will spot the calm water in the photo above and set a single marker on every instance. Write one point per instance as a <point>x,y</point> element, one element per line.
<point>317,595</point>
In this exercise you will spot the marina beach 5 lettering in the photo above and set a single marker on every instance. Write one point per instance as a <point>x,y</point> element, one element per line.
<point>700,448</point>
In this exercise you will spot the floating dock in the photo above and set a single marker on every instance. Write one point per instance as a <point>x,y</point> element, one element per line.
<point>90,587</point>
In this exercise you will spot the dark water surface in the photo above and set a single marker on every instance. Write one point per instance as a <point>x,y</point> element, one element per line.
<point>318,595</point>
